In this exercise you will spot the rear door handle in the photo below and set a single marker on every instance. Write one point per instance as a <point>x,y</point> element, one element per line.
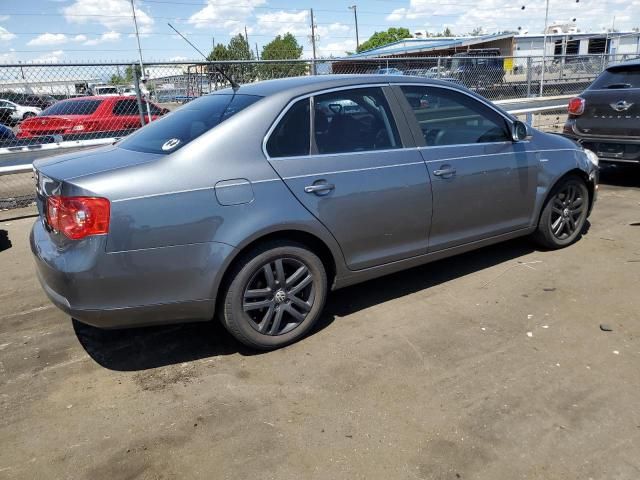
<point>319,188</point>
<point>445,172</point>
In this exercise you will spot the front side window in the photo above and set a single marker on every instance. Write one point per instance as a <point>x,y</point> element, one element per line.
<point>354,120</point>
<point>447,117</point>
<point>174,131</point>
<point>290,138</point>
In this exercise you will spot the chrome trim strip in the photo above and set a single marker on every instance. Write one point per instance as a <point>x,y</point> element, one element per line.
<point>352,170</point>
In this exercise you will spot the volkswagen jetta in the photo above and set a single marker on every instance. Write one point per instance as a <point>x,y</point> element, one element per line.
<point>251,203</point>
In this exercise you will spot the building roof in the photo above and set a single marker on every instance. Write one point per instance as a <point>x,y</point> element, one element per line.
<point>417,45</point>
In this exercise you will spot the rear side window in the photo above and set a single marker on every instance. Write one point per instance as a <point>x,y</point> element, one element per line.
<point>354,120</point>
<point>73,107</point>
<point>290,138</point>
<point>187,123</point>
<point>618,77</point>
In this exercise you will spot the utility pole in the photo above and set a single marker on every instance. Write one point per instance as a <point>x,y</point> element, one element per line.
<point>135,24</point>
<point>257,54</point>
<point>313,43</point>
<point>355,16</point>
<point>544,48</point>
<point>246,37</point>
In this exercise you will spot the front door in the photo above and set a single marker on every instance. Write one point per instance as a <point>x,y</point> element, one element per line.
<point>354,175</point>
<point>484,184</point>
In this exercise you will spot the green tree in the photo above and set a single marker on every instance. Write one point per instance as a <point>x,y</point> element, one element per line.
<point>379,39</point>
<point>445,33</point>
<point>237,49</point>
<point>118,79</point>
<point>284,47</point>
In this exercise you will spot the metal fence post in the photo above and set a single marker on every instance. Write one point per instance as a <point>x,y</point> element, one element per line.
<point>529,74</point>
<point>438,67</point>
<point>136,84</point>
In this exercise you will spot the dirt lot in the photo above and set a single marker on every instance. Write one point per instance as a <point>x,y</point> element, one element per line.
<point>491,365</point>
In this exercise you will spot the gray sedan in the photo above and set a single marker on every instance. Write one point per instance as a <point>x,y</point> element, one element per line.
<point>250,204</point>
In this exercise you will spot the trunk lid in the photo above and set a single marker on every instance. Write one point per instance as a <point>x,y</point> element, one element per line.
<point>45,125</point>
<point>89,161</point>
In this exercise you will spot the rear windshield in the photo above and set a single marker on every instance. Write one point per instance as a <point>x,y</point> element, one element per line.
<point>618,77</point>
<point>187,123</point>
<point>74,107</point>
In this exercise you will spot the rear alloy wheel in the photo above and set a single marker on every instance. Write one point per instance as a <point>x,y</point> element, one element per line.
<point>275,296</point>
<point>563,217</point>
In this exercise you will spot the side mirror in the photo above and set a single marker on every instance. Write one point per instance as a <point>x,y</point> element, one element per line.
<point>520,131</point>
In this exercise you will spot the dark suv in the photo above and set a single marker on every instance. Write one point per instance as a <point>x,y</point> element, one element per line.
<point>605,118</point>
<point>29,99</point>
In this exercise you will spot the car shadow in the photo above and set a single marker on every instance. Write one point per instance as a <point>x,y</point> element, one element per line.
<point>151,347</point>
<point>620,175</point>
<point>5,242</point>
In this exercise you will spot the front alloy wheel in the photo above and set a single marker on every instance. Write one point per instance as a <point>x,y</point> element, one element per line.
<point>567,209</point>
<point>564,215</point>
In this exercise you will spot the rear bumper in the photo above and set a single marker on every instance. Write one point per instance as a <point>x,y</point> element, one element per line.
<point>129,289</point>
<point>610,149</point>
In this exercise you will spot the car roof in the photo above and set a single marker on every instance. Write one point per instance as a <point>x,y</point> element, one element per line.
<point>296,86</point>
<point>98,97</point>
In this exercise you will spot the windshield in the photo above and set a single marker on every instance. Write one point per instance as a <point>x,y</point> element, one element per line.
<point>73,107</point>
<point>187,123</point>
<point>618,77</point>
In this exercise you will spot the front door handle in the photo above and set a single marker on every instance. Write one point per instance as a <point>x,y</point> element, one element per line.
<point>445,172</point>
<point>319,188</point>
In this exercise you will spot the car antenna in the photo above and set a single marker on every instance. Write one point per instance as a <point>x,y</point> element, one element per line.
<point>233,83</point>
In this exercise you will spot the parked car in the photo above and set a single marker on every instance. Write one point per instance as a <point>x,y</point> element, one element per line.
<point>244,204</point>
<point>104,90</point>
<point>417,72</point>
<point>6,134</point>
<point>29,99</point>
<point>388,71</point>
<point>18,112</point>
<point>88,115</point>
<point>605,117</point>
<point>6,112</point>
<point>478,68</point>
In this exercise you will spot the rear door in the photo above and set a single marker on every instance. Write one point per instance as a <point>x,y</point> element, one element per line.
<point>354,175</point>
<point>483,183</point>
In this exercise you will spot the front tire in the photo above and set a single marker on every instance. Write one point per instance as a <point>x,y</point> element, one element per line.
<point>564,215</point>
<point>276,294</point>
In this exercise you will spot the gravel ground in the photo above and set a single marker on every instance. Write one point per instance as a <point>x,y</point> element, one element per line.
<point>491,365</point>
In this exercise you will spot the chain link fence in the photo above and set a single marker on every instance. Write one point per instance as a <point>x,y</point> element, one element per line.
<point>46,108</point>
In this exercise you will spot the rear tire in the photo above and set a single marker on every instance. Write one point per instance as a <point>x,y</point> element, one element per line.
<point>275,295</point>
<point>564,214</point>
<point>28,115</point>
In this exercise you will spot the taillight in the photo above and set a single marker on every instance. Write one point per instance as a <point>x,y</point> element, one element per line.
<point>576,106</point>
<point>78,217</point>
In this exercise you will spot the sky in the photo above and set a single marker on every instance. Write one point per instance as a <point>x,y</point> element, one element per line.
<point>102,30</point>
